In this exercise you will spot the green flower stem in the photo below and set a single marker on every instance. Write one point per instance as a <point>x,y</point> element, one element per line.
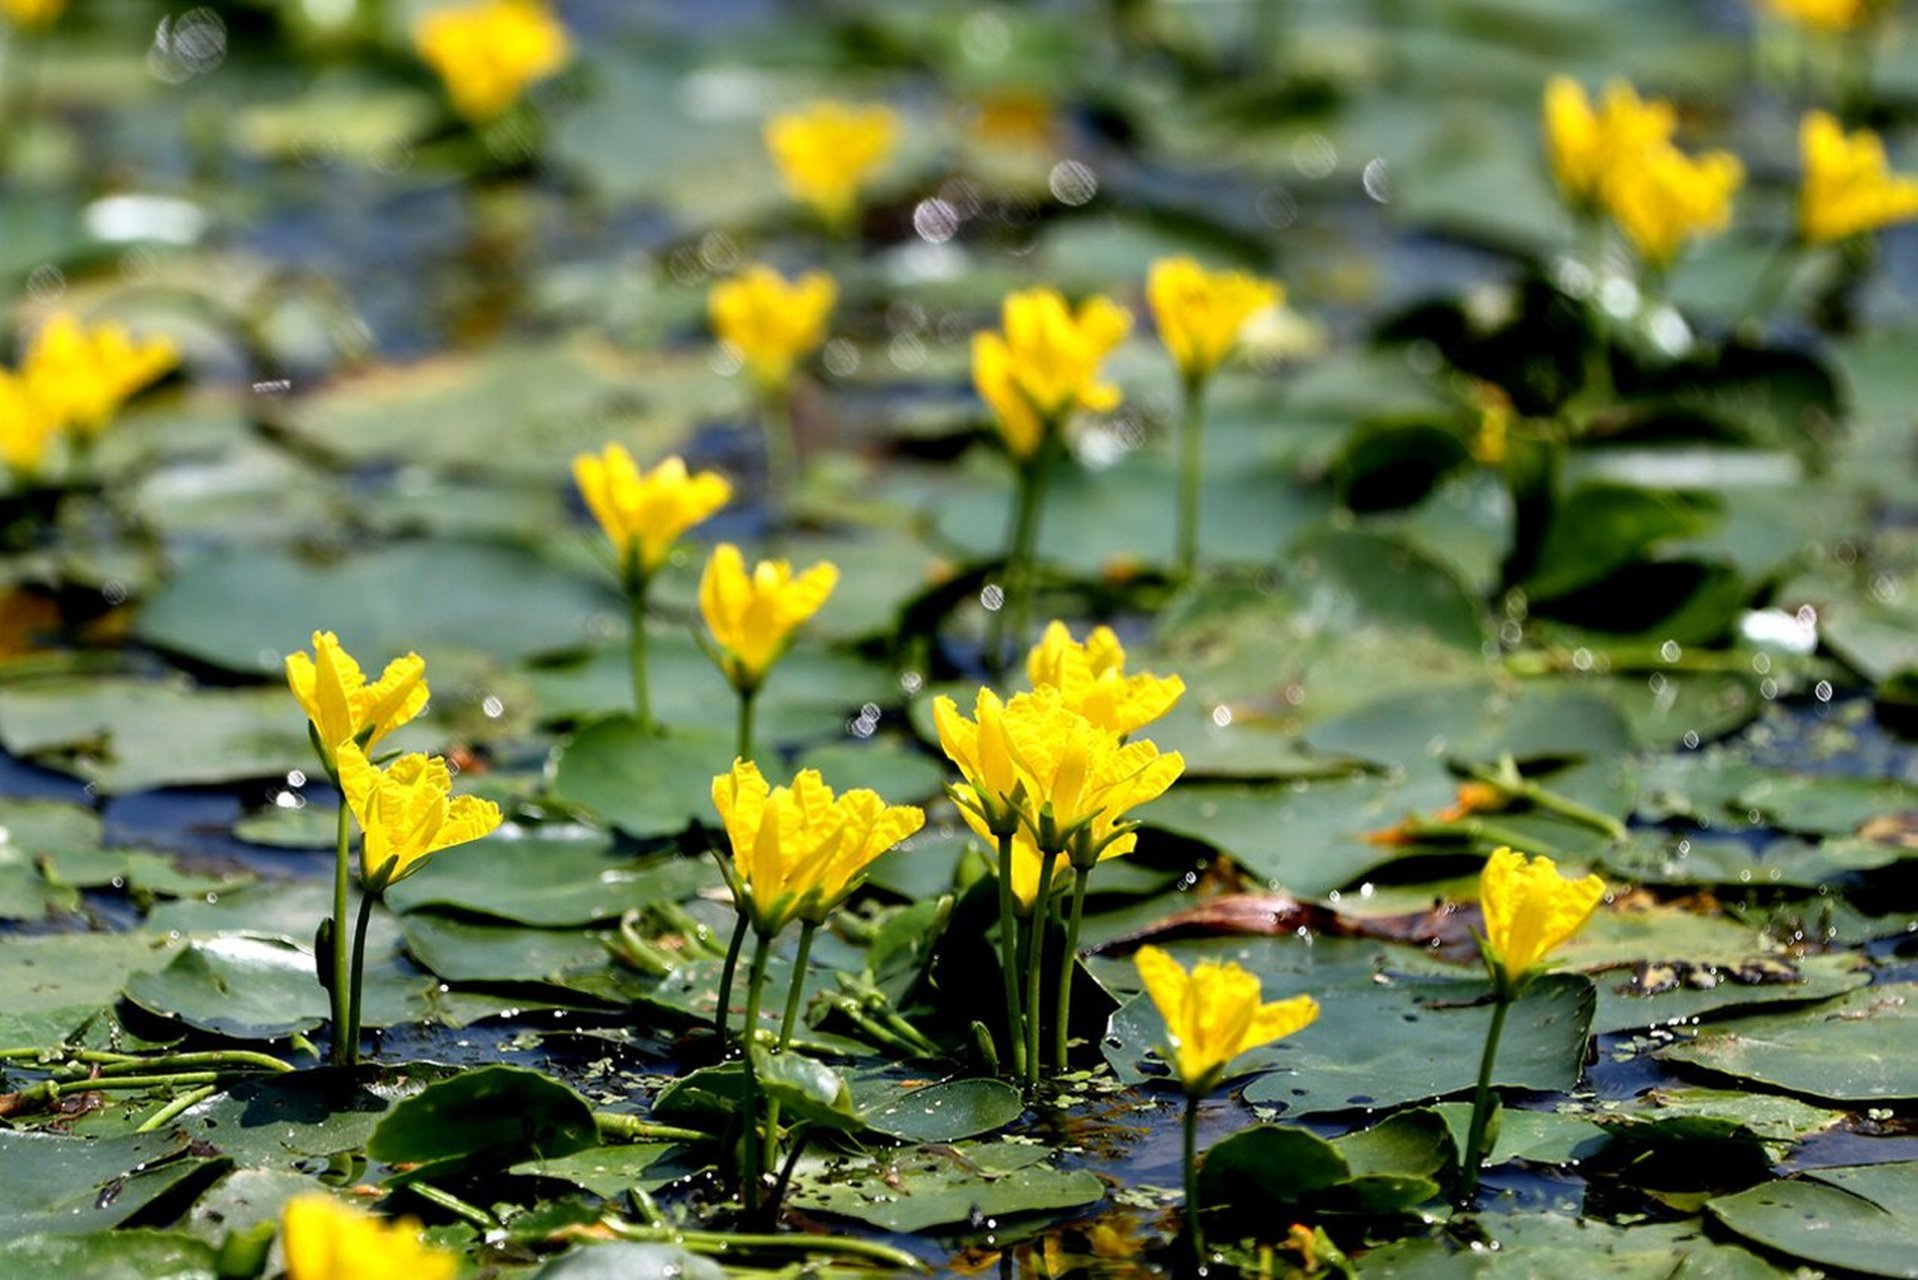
<point>176,1108</point>
<point>1068,963</point>
<point>727,1243</point>
<point>755,988</point>
<point>1009,957</point>
<point>1542,797</point>
<point>1475,1152</point>
<point>617,1124</point>
<point>637,583</point>
<point>782,446</point>
<point>359,977</point>
<point>745,741</point>
<point>1191,469</point>
<point>342,874</point>
<point>1035,962</point>
<point>43,1095</point>
<point>130,1064</point>
<point>1193,1232</point>
<point>790,1019</point>
<point>720,1018</point>
<point>1009,623</point>
<point>454,1205</point>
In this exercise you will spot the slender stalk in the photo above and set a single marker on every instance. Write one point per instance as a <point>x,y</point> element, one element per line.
<point>745,741</point>
<point>1191,471</point>
<point>782,446</point>
<point>342,873</point>
<point>1009,958</point>
<point>720,1015</point>
<point>729,1242</point>
<point>1194,1233</point>
<point>801,1132</point>
<point>1035,961</point>
<point>642,693</point>
<point>755,987</point>
<point>454,1205</point>
<point>1068,963</point>
<point>1009,623</point>
<point>794,990</point>
<point>1475,1153</point>
<point>359,977</point>
<point>130,1064</point>
<point>176,1108</point>
<point>1768,286</point>
<point>617,1124</point>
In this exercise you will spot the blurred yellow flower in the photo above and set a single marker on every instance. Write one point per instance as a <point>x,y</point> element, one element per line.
<point>1849,188</point>
<point>33,14</point>
<point>770,323</point>
<point>1585,143</point>
<point>27,427</point>
<point>643,513</point>
<point>1201,313</point>
<point>752,617</point>
<point>407,812</point>
<point>85,374</point>
<point>1530,909</point>
<point>489,51</point>
<point>342,706</point>
<point>799,850</point>
<point>1091,679</point>
<point>325,1239</point>
<point>1664,197</point>
<point>827,152</point>
<point>1215,1013</point>
<point>1491,444</point>
<point>1824,15</point>
<point>1044,363</point>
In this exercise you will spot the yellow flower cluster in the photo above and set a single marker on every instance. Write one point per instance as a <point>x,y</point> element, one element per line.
<point>828,152</point>
<point>1620,157</point>
<point>771,323</point>
<point>1201,313</point>
<point>74,378</point>
<point>326,1239</point>
<point>1215,1013</point>
<point>1051,768</point>
<point>643,513</point>
<point>488,52</point>
<point>798,851</point>
<point>1848,188</point>
<point>1044,362</point>
<point>1530,910</point>
<point>752,616</point>
<point>1822,15</point>
<point>405,810</point>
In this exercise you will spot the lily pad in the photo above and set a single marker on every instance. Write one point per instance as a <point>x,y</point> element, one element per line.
<point>61,1186</point>
<point>1859,1048</point>
<point>644,783</point>
<point>1861,1218</point>
<point>490,1118</point>
<point>922,1187</point>
<point>948,1111</point>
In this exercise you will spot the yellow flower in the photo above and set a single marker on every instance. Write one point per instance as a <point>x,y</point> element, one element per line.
<point>771,323</point>
<point>1824,15</point>
<point>1214,1013</point>
<point>407,812</point>
<point>1200,313</point>
<point>33,14</point>
<point>1529,910</point>
<point>1044,363</point>
<point>27,427</point>
<point>1584,143</point>
<point>1491,443</point>
<point>342,706</point>
<point>84,375</point>
<point>644,513</point>
<point>1665,197</point>
<point>752,617</point>
<point>1069,781</point>
<point>325,1239</point>
<point>1091,679</point>
<point>1848,188</point>
<point>799,850</point>
<point>489,51</point>
<point>828,151</point>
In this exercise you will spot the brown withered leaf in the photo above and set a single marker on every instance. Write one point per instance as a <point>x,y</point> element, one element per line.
<point>1446,925</point>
